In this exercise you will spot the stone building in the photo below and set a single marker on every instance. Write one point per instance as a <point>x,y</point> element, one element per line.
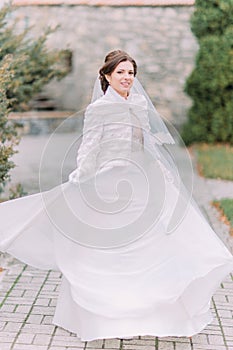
<point>155,32</point>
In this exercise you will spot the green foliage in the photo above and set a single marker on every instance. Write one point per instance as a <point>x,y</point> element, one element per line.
<point>17,191</point>
<point>225,207</point>
<point>33,65</point>
<point>8,135</point>
<point>210,85</point>
<point>212,17</point>
<point>26,66</point>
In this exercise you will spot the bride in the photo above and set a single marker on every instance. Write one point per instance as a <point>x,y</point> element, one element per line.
<point>136,254</point>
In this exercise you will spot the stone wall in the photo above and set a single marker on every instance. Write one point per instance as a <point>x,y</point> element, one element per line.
<point>104,2</point>
<point>159,38</point>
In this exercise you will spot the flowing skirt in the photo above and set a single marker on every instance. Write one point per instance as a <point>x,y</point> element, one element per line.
<point>123,275</point>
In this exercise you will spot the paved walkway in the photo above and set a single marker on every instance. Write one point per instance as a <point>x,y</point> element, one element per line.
<point>28,296</point>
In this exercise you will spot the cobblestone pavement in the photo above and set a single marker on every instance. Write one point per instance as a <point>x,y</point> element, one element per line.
<point>28,299</point>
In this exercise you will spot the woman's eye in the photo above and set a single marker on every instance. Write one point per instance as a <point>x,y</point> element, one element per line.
<point>120,72</point>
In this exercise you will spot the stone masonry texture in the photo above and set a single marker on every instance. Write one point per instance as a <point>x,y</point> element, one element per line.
<point>104,2</point>
<point>158,37</point>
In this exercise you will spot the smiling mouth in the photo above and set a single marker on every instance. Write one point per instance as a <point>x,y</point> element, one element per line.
<point>125,84</point>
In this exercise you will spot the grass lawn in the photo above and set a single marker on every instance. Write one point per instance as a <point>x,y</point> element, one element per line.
<point>214,161</point>
<point>225,208</point>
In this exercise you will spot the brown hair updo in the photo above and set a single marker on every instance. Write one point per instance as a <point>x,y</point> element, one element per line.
<point>111,62</point>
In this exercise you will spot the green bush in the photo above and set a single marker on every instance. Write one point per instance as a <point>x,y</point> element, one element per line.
<point>26,66</point>
<point>8,134</point>
<point>33,64</point>
<point>210,85</point>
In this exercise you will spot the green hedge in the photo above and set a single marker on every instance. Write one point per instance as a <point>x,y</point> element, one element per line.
<point>210,85</point>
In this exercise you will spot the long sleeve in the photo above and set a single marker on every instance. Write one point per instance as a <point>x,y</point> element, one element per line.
<point>90,146</point>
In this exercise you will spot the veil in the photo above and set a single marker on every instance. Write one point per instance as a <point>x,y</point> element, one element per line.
<point>157,125</point>
<point>116,185</point>
<point>166,147</point>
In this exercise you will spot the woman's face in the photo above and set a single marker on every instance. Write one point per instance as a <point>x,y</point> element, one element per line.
<point>121,79</point>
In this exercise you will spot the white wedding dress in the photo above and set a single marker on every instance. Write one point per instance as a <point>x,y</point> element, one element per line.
<point>123,274</point>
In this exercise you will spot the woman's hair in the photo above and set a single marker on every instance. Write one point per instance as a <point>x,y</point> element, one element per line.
<point>111,62</point>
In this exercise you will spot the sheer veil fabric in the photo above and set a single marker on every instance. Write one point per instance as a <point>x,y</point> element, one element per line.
<point>136,254</point>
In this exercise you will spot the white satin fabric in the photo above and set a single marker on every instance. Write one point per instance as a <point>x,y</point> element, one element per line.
<point>148,284</point>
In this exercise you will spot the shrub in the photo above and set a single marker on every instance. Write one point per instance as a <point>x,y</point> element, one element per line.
<point>26,65</point>
<point>8,134</point>
<point>210,85</point>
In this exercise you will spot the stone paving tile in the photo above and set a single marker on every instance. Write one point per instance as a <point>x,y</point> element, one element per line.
<point>29,347</point>
<point>210,347</point>
<point>42,339</point>
<point>112,344</point>
<point>61,340</point>
<point>25,338</point>
<point>5,346</point>
<point>183,346</point>
<point>165,345</point>
<point>136,347</point>
<point>26,323</point>
<point>47,320</point>
<point>7,337</point>
<point>95,344</point>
